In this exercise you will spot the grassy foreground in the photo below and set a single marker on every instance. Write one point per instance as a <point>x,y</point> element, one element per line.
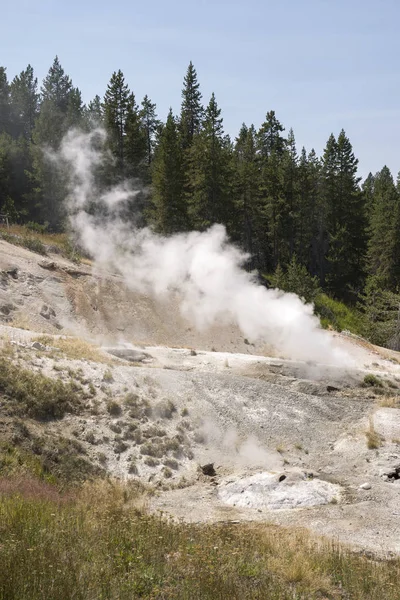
<point>99,542</point>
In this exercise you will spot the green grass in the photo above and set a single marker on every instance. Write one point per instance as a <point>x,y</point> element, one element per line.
<point>338,315</point>
<point>27,393</point>
<point>99,542</point>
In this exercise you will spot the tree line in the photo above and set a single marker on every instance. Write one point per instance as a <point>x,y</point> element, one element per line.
<point>301,218</point>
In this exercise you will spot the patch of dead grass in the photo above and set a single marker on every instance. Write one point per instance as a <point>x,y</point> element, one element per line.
<point>76,349</point>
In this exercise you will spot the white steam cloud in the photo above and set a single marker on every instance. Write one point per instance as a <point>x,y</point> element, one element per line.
<point>203,268</point>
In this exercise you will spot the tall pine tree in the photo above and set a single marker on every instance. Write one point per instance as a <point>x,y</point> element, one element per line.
<point>169,214</point>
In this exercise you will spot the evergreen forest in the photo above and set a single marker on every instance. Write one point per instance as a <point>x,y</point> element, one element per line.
<point>308,222</point>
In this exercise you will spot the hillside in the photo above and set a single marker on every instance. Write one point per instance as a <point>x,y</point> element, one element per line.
<point>291,442</point>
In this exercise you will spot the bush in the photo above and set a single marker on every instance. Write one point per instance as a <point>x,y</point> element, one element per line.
<point>114,408</point>
<point>37,227</point>
<point>32,394</point>
<point>372,381</point>
<point>34,245</point>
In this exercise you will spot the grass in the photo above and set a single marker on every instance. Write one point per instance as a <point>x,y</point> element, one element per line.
<point>27,393</point>
<point>26,240</point>
<point>374,440</point>
<point>35,238</point>
<point>75,348</point>
<point>99,542</point>
<point>338,315</point>
<point>390,402</point>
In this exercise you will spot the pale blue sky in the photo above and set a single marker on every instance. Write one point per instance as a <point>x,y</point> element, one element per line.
<point>320,64</point>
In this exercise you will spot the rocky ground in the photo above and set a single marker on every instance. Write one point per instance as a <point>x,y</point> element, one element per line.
<point>290,442</point>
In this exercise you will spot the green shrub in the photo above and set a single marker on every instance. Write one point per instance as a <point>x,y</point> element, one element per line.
<point>372,381</point>
<point>32,394</point>
<point>33,244</point>
<point>114,408</point>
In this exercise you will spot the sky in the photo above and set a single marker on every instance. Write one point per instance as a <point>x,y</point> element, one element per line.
<point>322,65</point>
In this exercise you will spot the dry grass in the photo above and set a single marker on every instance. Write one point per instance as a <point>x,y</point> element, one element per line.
<point>374,440</point>
<point>99,542</point>
<point>76,349</point>
<point>390,402</point>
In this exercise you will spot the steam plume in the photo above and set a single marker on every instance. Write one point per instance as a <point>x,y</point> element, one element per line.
<point>203,268</point>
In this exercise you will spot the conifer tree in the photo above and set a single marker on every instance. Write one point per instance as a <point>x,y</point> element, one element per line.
<point>384,230</point>
<point>271,148</point>
<point>116,106</point>
<point>346,224</point>
<point>308,215</point>
<point>249,226</point>
<point>94,112</point>
<point>290,197</point>
<point>60,108</point>
<point>24,102</point>
<point>151,126</point>
<point>208,174</point>
<point>5,116</point>
<point>135,143</point>
<point>169,213</point>
<point>192,111</point>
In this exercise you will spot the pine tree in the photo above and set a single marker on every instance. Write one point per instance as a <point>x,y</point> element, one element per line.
<point>249,224</point>
<point>169,213</point>
<point>308,215</point>
<point>94,112</point>
<point>384,229</point>
<point>327,199</point>
<point>269,136</point>
<point>192,111</point>
<point>116,106</point>
<point>368,191</point>
<point>24,102</point>
<point>135,142</point>
<point>5,109</point>
<point>60,109</point>
<point>346,225</point>
<point>290,206</point>
<point>271,148</point>
<point>209,175</point>
<point>151,126</point>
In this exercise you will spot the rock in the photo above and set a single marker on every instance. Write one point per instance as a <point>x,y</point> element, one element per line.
<point>6,309</point>
<point>38,346</point>
<point>332,388</point>
<point>365,486</point>
<point>129,354</point>
<point>208,470</point>
<point>13,272</point>
<point>45,264</point>
<point>47,312</point>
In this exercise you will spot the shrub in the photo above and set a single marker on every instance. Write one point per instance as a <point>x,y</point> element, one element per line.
<point>108,376</point>
<point>34,245</point>
<point>372,381</point>
<point>165,409</point>
<point>33,394</point>
<point>114,408</point>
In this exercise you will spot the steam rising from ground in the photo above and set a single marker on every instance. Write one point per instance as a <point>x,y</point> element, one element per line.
<point>203,269</point>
